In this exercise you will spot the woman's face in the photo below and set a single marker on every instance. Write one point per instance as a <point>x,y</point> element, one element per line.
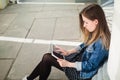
<point>90,25</point>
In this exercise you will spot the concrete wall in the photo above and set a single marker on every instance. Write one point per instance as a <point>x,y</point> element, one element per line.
<point>3,3</point>
<point>114,57</point>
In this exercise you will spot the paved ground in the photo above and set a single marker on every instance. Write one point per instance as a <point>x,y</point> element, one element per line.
<point>70,1</point>
<point>39,22</point>
<point>58,1</point>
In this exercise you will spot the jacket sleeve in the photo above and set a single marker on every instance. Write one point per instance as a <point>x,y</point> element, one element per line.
<point>98,55</point>
<point>78,48</point>
<point>78,66</point>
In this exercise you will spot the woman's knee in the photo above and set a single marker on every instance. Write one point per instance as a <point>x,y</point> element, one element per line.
<point>46,57</point>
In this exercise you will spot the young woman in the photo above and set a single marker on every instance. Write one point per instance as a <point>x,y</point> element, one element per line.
<point>96,42</point>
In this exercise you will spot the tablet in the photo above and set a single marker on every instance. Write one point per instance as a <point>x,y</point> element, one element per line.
<point>55,54</point>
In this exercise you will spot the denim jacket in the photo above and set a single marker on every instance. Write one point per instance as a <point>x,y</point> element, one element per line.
<point>92,59</point>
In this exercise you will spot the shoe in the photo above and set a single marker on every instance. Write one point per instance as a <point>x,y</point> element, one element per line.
<point>25,78</point>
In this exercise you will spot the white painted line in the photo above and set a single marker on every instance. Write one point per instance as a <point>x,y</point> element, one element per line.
<point>66,43</point>
<point>39,41</point>
<point>13,39</point>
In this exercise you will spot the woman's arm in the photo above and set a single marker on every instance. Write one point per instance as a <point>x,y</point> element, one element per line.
<point>71,51</point>
<point>67,52</point>
<point>65,63</point>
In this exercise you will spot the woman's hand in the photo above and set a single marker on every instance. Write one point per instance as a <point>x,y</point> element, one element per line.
<point>60,50</point>
<point>65,63</point>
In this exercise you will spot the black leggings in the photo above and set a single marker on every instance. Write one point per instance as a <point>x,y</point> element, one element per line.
<point>43,69</point>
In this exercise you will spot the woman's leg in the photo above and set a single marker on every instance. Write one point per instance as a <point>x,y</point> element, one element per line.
<point>43,69</point>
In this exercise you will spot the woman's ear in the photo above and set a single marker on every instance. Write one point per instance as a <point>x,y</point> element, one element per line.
<point>96,21</point>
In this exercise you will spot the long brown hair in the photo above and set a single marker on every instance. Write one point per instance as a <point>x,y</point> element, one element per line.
<point>92,12</point>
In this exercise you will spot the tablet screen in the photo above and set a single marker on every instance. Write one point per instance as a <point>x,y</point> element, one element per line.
<point>55,54</point>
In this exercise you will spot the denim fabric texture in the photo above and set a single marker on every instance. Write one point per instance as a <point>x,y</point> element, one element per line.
<point>92,59</point>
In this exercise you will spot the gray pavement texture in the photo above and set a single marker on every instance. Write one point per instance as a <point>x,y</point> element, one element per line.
<point>47,1</point>
<point>59,1</point>
<point>36,21</point>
